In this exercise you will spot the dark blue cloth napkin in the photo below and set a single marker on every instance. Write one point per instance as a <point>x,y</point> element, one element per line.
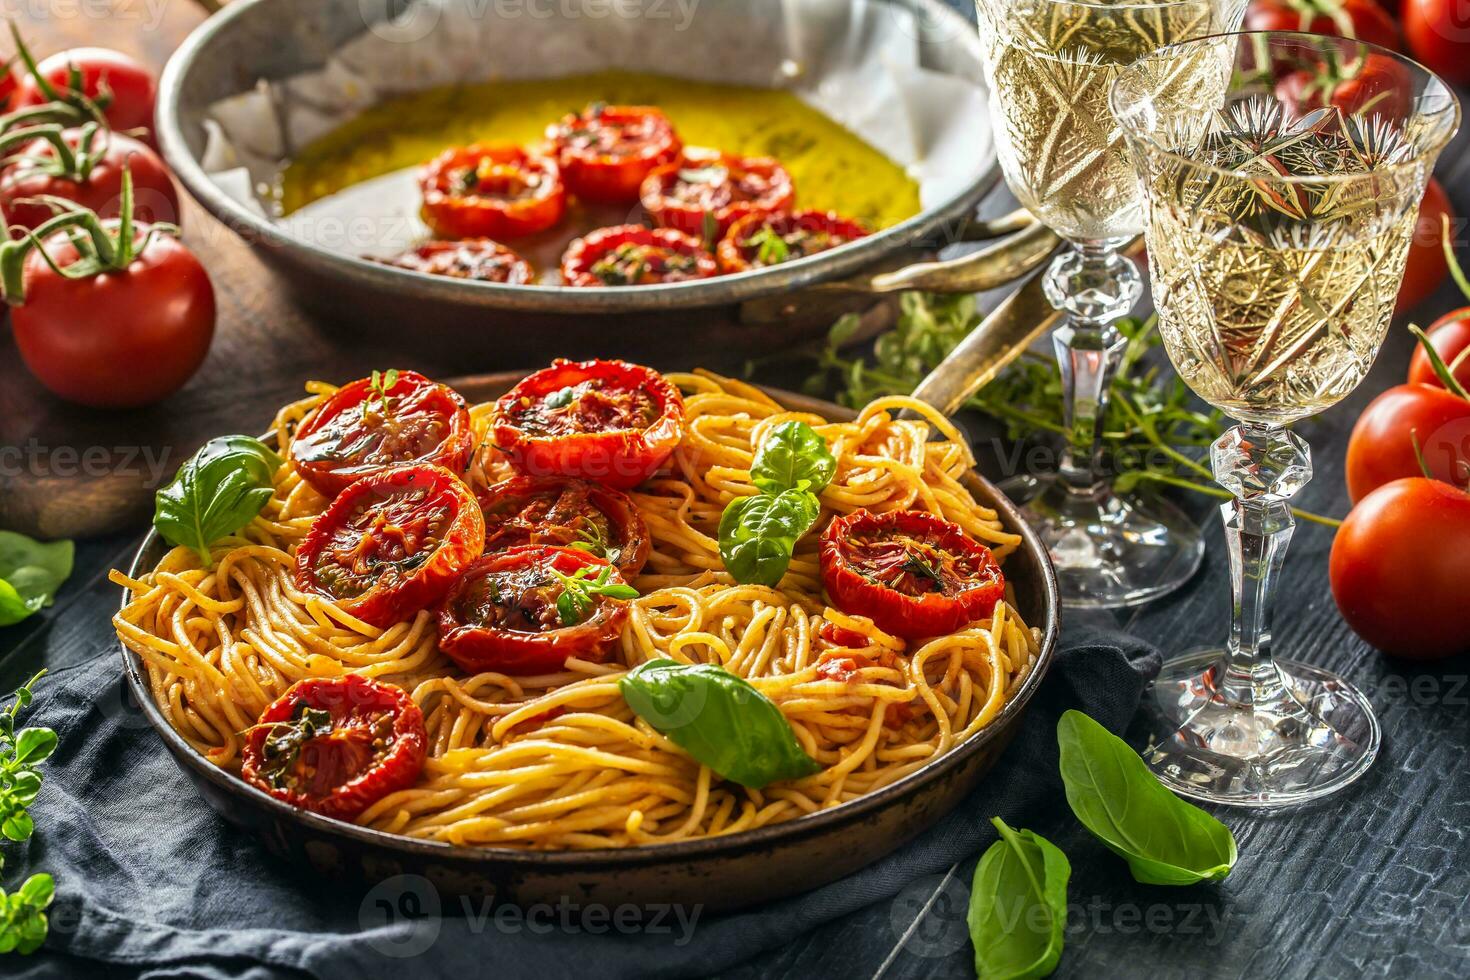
<point>151,882</point>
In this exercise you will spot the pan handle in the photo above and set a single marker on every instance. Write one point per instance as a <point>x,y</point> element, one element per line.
<point>1004,334</point>
<point>1002,263</point>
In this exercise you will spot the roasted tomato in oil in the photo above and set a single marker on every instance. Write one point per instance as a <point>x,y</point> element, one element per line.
<point>605,151</point>
<point>485,191</point>
<point>632,255</point>
<point>373,423</point>
<point>759,240</point>
<point>566,513</point>
<point>392,543</point>
<point>479,259</point>
<point>910,572</point>
<point>526,610</point>
<point>336,745</point>
<point>607,421</point>
<point>706,192</point>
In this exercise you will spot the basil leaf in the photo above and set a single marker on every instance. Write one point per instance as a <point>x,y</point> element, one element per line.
<point>216,492</point>
<point>719,719</point>
<point>30,573</point>
<point>758,534</point>
<point>1165,840</point>
<point>792,455</point>
<point>1018,906</point>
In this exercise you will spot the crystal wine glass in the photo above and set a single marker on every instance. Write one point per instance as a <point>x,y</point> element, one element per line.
<point>1049,64</point>
<point>1277,231</point>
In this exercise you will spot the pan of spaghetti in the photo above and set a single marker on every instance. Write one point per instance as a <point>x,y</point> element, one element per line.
<point>590,631</point>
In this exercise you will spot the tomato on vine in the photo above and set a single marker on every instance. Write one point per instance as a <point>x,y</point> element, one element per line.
<point>107,312</point>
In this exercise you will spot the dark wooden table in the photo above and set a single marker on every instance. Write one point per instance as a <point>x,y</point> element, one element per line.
<point>1374,882</point>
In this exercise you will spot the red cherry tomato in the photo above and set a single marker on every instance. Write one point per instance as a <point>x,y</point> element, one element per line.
<point>632,255</point>
<point>605,151</point>
<point>120,338</point>
<point>392,543</point>
<point>363,428</point>
<point>479,259</point>
<point>336,745</point>
<point>111,77</point>
<point>510,613</point>
<point>1361,19</point>
<point>1399,568</point>
<point>1381,448</point>
<point>910,572</point>
<point>608,421</point>
<point>491,192</point>
<point>706,186</point>
<point>1450,335</point>
<point>1426,267</point>
<point>1438,32</point>
<point>760,240</point>
<point>8,83</point>
<point>34,172</point>
<point>565,513</point>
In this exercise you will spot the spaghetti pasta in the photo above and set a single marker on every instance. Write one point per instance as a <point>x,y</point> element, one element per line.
<point>560,760</point>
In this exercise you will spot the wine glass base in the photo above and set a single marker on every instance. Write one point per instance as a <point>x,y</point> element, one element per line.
<point>1109,550</point>
<point>1297,741</point>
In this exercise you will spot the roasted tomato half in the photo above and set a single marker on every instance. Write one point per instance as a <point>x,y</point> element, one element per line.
<point>607,421</point>
<point>336,745</point>
<point>605,151</point>
<point>392,543</point>
<point>373,423</point>
<point>566,513</point>
<point>485,191</point>
<point>526,610</point>
<point>910,572</point>
<point>714,187</point>
<point>632,255</point>
<point>479,259</point>
<point>759,240</point>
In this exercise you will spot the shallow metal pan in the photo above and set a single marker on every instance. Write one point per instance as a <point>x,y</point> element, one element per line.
<point>500,324</point>
<point>719,872</point>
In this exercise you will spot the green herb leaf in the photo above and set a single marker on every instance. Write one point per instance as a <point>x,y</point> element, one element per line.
<point>1165,840</point>
<point>771,248</point>
<point>30,573</point>
<point>560,398</point>
<point>719,719</point>
<point>217,491</point>
<point>18,826</point>
<point>1018,906</point>
<point>793,457</point>
<point>34,744</point>
<point>758,534</point>
<point>38,890</point>
<point>575,602</point>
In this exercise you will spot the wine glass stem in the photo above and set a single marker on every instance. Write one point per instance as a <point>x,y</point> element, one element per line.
<point>1264,467</point>
<point>1094,285</point>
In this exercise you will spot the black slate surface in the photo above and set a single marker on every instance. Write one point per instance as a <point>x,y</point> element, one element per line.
<point>1374,882</point>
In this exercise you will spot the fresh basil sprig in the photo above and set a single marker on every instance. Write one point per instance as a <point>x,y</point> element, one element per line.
<point>217,491</point>
<point>1165,840</point>
<point>22,914</point>
<point>577,592</point>
<point>758,534</point>
<point>30,573</point>
<point>793,457</point>
<point>1018,906</point>
<point>719,719</point>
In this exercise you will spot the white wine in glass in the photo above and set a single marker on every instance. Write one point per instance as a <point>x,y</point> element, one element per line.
<point>1277,231</point>
<point>1050,65</point>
